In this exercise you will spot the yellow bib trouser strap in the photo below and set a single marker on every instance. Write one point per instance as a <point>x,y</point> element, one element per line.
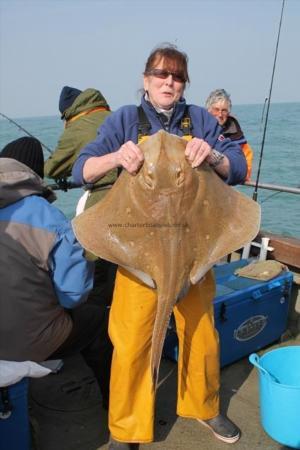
<point>132,399</point>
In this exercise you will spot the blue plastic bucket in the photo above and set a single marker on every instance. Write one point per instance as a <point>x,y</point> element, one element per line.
<point>279,389</point>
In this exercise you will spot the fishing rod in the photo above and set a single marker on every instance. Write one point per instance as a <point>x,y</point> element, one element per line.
<point>255,193</point>
<point>263,115</point>
<point>63,184</point>
<point>25,131</point>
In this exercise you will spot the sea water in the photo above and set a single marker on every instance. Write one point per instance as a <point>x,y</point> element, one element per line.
<point>280,163</point>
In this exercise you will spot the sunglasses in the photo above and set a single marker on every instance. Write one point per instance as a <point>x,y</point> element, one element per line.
<point>163,74</point>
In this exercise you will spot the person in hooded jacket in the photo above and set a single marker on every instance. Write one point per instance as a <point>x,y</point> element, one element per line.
<point>83,112</point>
<point>45,277</point>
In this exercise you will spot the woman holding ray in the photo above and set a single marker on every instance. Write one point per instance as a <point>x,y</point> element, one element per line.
<point>132,395</point>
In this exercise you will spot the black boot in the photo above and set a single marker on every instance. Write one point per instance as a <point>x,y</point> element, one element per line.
<point>223,429</point>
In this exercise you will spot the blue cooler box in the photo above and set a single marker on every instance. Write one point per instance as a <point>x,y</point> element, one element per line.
<point>14,418</point>
<point>249,314</point>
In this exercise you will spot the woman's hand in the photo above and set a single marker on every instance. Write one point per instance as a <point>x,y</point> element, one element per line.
<point>196,151</point>
<point>130,157</point>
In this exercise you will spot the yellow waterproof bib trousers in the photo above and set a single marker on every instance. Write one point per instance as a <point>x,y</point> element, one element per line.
<point>132,399</point>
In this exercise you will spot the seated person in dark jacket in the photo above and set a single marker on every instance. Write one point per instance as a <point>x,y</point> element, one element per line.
<point>45,278</point>
<point>219,105</point>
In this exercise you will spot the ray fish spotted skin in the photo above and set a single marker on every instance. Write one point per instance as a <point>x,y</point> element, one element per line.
<point>168,225</point>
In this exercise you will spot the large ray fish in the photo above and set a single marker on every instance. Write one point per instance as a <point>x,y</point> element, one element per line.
<point>168,225</point>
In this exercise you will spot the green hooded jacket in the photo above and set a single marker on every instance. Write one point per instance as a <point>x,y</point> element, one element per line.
<point>81,125</point>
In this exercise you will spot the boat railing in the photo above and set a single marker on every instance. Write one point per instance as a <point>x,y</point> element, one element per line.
<point>65,185</point>
<point>274,187</point>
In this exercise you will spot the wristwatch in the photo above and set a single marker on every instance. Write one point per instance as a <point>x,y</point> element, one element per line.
<point>215,158</point>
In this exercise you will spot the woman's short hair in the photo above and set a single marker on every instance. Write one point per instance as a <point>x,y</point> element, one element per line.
<point>174,60</point>
<point>219,95</point>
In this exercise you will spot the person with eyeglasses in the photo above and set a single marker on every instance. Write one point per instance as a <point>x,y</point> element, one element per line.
<point>219,105</point>
<point>132,399</point>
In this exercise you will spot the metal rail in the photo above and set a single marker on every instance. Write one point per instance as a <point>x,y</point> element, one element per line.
<point>274,187</point>
<point>65,185</point>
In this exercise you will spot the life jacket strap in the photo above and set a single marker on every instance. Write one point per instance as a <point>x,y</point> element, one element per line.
<point>145,126</point>
<point>186,125</point>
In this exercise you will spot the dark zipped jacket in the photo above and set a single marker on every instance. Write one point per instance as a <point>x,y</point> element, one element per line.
<point>42,267</point>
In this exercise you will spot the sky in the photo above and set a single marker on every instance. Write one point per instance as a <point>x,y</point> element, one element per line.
<point>104,44</point>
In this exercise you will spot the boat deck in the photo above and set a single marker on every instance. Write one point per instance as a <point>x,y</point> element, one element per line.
<point>70,417</point>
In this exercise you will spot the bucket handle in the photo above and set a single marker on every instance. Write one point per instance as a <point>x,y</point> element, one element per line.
<point>255,360</point>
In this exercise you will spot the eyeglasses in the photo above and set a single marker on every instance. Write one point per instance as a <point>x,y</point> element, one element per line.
<point>216,110</point>
<point>163,74</point>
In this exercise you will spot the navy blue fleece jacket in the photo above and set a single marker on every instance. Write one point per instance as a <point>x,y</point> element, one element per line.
<point>122,126</point>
